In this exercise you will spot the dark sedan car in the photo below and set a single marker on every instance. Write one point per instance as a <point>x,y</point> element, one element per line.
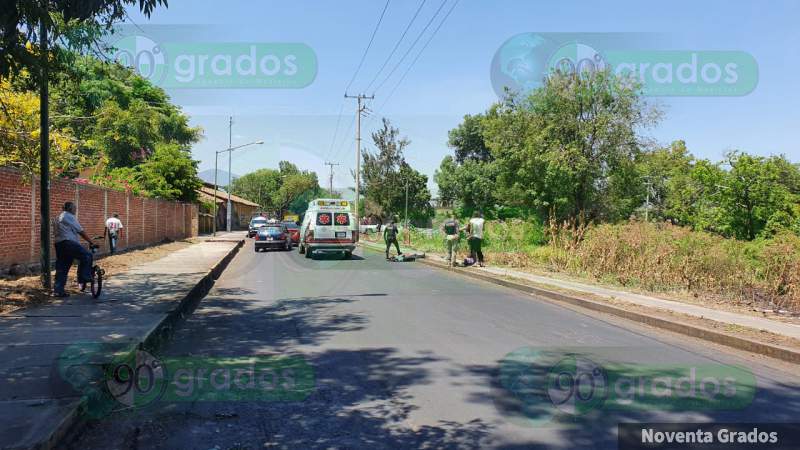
<point>274,236</point>
<point>294,231</point>
<point>255,224</point>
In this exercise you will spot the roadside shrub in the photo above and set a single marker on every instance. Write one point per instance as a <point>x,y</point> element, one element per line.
<point>655,257</point>
<point>780,272</point>
<point>665,257</point>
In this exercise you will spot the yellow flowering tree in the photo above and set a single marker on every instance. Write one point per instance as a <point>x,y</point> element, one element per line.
<point>19,135</point>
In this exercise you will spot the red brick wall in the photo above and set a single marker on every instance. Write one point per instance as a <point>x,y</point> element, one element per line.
<point>147,221</point>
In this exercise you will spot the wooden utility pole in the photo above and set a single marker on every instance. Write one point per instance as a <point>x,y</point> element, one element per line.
<point>359,110</point>
<point>331,176</point>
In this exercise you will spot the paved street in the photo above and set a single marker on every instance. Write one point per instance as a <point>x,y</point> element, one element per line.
<point>404,356</point>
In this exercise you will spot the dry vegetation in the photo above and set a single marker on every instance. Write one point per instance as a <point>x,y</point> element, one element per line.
<point>653,257</point>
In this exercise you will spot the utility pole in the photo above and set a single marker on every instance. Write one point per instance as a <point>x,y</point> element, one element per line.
<point>214,222</point>
<point>230,157</point>
<point>331,177</point>
<point>359,110</point>
<point>44,160</point>
<point>216,158</point>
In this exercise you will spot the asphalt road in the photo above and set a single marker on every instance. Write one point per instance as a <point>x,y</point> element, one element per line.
<point>406,356</point>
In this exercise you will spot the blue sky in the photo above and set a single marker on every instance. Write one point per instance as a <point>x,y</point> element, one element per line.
<point>452,77</point>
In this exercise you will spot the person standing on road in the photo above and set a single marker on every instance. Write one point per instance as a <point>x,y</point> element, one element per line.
<point>113,227</point>
<point>451,231</point>
<point>475,229</point>
<point>390,237</point>
<point>68,248</point>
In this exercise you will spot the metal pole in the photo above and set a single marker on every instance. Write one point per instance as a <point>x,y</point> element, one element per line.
<point>230,143</point>
<point>216,159</point>
<point>44,161</point>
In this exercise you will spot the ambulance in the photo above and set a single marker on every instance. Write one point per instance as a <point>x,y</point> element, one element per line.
<point>328,227</point>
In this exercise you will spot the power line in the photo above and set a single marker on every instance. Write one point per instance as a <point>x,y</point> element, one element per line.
<point>383,66</point>
<point>422,50</point>
<point>366,50</point>
<point>358,69</point>
<point>335,131</point>
<point>339,147</point>
<point>411,47</point>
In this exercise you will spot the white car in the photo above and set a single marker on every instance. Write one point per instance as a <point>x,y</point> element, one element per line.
<point>369,228</point>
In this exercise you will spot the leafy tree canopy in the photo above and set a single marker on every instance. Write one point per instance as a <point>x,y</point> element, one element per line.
<point>385,175</point>
<point>74,24</point>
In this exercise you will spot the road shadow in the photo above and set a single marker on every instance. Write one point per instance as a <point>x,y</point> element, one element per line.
<point>522,399</point>
<point>360,400</point>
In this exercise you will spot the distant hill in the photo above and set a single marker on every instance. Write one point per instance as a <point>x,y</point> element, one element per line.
<point>222,176</point>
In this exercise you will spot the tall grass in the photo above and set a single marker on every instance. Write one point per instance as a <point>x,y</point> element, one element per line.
<point>656,257</point>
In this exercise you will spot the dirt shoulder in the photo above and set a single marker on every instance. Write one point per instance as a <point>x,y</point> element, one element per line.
<point>16,293</point>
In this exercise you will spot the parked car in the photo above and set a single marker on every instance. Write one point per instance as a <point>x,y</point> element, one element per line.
<point>328,227</point>
<point>294,231</point>
<point>369,228</point>
<point>273,235</point>
<point>255,224</point>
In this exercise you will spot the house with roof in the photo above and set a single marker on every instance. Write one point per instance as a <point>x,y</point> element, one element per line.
<point>242,209</point>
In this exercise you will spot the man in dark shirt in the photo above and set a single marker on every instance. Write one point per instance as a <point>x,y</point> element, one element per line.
<point>390,237</point>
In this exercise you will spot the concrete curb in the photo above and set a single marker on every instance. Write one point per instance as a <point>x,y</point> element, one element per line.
<point>156,337</point>
<point>728,340</point>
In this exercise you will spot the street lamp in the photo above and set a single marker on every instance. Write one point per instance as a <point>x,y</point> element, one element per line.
<point>216,159</point>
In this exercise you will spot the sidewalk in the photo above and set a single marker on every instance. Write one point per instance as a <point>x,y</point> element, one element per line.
<point>732,318</point>
<point>36,407</point>
<point>223,236</point>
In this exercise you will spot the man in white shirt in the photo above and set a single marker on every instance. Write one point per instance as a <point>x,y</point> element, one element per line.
<point>113,227</point>
<point>475,231</point>
<point>68,248</point>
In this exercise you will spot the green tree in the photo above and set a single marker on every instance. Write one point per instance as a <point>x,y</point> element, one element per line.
<point>385,174</point>
<point>557,149</point>
<point>117,116</point>
<point>446,178</point>
<point>258,186</point>
<point>468,186</point>
<point>170,173</point>
<point>293,186</point>
<point>287,188</point>
<point>757,191</point>
<point>468,142</point>
<point>19,23</point>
